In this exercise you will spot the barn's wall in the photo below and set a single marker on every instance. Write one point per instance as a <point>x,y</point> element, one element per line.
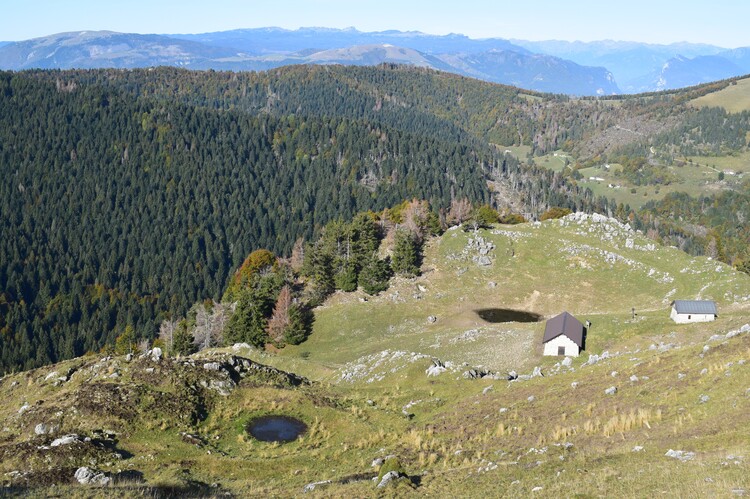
<point>683,318</point>
<point>571,349</point>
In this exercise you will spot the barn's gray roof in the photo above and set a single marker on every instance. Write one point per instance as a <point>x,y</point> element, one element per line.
<point>564,324</point>
<point>695,307</point>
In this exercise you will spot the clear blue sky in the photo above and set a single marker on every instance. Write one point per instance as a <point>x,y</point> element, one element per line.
<point>718,22</point>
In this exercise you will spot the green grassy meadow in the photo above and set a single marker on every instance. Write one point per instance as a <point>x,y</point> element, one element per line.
<point>735,98</point>
<point>369,396</point>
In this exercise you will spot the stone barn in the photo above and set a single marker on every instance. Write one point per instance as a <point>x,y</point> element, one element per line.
<point>687,311</point>
<point>563,335</point>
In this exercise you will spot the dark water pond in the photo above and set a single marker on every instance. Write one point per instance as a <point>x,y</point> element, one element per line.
<point>276,428</point>
<point>507,315</point>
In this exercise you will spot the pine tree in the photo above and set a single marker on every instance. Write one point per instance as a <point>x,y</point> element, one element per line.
<point>406,254</point>
<point>183,343</point>
<point>375,275</point>
<point>299,325</point>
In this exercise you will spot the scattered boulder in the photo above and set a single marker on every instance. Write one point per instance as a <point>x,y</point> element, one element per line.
<point>680,454</point>
<point>311,486</point>
<point>611,390</point>
<point>432,319</point>
<point>388,478</point>
<point>156,354</point>
<point>43,429</point>
<point>594,358</point>
<point>703,399</point>
<point>567,361</point>
<point>389,471</point>
<point>436,368</point>
<point>65,440</point>
<point>634,378</point>
<point>638,448</point>
<point>477,373</point>
<point>484,261</point>
<point>88,476</point>
<point>531,398</point>
<point>574,384</point>
<point>487,389</point>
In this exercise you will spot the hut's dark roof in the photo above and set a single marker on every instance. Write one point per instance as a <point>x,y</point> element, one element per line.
<point>564,324</point>
<point>695,307</point>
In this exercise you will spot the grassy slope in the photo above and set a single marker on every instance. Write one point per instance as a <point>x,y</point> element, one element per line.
<point>458,439</point>
<point>734,98</point>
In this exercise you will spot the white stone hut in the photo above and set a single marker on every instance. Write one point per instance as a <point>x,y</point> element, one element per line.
<point>687,311</point>
<point>563,335</point>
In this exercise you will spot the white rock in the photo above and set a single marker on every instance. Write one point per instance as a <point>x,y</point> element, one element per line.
<point>87,476</point>
<point>638,448</point>
<point>156,354</point>
<point>388,478</point>
<point>680,454</point>
<point>537,489</point>
<point>42,429</point>
<point>611,390</point>
<point>311,486</point>
<point>634,378</point>
<point>25,407</point>
<point>567,361</point>
<point>64,440</point>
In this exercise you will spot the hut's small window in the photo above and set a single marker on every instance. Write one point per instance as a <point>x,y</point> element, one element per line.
<point>560,350</point>
<point>689,317</point>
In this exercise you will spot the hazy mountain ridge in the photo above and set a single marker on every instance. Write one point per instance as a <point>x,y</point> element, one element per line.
<point>262,49</point>
<point>643,67</point>
<point>576,68</point>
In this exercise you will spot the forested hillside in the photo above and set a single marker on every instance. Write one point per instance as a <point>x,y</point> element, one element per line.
<point>127,196</point>
<point>121,207</point>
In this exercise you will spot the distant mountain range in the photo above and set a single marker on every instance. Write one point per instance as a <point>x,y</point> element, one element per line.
<point>576,68</point>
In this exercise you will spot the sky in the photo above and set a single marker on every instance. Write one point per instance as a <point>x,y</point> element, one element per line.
<point>716,22</point>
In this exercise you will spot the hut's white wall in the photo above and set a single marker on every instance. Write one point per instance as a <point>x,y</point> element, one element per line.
<point>571,349</point>
<point>687,318</point>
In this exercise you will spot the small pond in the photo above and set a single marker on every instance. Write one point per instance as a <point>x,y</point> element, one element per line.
<point>507,315</point>
<point>276,428</point>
